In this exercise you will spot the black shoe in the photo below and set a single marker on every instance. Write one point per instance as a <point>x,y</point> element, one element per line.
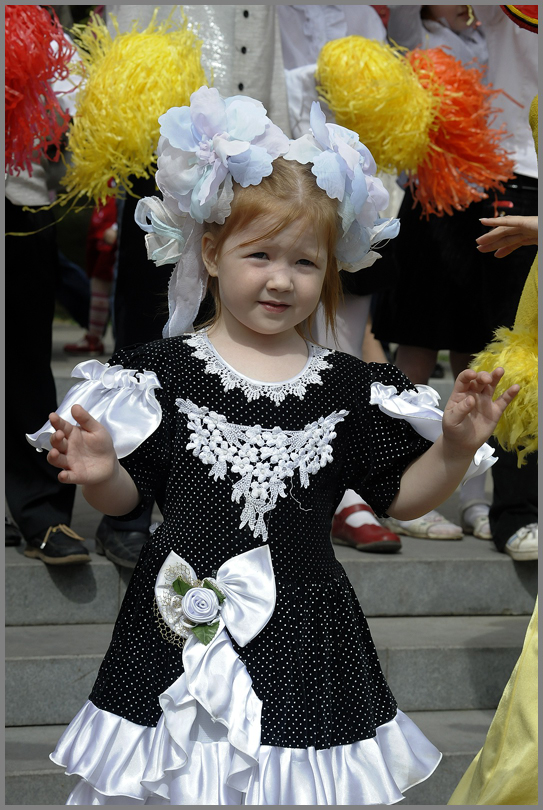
<point>12,534</point>
<point>59,545</point>
<point>121,547</point>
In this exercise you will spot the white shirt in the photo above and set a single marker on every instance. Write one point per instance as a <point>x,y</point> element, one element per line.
<point>304,32</point>
<point>241,48</point>
<point>306,29</point>
<point>512,66</point>
<point>407,28</point>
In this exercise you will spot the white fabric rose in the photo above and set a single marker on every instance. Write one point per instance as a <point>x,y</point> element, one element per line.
<point>200,605</point>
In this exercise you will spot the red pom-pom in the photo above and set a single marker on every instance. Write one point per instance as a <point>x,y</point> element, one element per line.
<point>37,53</point>
<point>465,155</point>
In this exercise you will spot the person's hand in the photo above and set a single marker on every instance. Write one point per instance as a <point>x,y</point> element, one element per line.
<point>507,234</point>
<point>471,414</point>
<point>84,452</point>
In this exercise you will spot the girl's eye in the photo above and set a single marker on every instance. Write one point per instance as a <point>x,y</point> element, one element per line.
<point>260,255</point>
<point>306,262</point>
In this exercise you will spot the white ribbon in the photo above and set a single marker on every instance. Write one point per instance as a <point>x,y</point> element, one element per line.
<point>247,583</point>
<point>214,676</point>
<point>109,393</point>
<point>418,408</point>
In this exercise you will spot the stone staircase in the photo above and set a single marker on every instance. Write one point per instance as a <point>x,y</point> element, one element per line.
<point>448,619</point>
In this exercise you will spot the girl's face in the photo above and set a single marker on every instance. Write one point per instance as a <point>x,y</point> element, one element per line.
<point>272,284</point>
<point>455,17</point>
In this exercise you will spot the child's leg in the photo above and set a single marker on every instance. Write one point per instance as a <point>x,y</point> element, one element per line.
<point>99,306</point>
<point>474,504</point>
<point>417,363</point>
<point>354,523</point>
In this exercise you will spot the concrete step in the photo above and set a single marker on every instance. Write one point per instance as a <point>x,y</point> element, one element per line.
<point>426,578</point>
<point>32,779</point>
<point>431,664</point>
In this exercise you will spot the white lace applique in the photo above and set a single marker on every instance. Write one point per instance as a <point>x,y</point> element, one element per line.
<point>252,389</point>
<point>264,459</point>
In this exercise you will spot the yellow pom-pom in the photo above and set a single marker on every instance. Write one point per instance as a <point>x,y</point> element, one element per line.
<point>372,89</point>
<point>130,80</point>
<point>515,350</point>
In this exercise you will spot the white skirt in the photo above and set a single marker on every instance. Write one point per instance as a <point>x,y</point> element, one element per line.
<point>195,762</point>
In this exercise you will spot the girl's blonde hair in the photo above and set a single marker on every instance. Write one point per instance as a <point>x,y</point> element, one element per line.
<point>290,193</point>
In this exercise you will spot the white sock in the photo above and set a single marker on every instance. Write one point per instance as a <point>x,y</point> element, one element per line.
<point>351,498</point>
<point>473,490</point>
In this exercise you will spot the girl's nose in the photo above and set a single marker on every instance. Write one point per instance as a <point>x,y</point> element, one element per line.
<point>280,278</point>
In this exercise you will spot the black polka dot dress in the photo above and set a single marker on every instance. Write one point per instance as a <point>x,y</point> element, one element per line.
<point>235,465</point>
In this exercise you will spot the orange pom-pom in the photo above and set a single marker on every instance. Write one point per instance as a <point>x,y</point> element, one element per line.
<point>37,53</point>
<point>465,155</point>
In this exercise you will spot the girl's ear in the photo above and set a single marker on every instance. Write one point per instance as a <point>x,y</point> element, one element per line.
<point>209,254</point>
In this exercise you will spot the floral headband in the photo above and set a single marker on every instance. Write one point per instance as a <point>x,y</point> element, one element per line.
<point>205,146</point>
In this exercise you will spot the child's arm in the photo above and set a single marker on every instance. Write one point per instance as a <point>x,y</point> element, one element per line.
<point>508,234</point>
<point>85,455</point>
<point>469,419</point>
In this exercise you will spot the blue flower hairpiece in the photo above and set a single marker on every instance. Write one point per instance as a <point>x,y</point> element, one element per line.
<point>345,170</point>
<point>204,146</point>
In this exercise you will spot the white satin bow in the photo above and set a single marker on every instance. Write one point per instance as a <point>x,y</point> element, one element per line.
<point>418,408</point>
<point>248,584</point>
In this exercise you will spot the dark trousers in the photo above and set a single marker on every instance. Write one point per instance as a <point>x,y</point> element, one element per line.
<point>35,497</point>
<point>514,502</point>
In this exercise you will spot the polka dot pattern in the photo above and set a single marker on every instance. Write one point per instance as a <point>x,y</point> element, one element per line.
<point>314,665</point>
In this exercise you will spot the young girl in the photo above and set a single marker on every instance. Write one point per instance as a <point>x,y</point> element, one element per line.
<point>241,669</point>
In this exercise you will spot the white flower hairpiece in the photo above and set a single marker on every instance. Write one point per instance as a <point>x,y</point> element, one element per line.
<point>202,148</point>
<point>345,170</point>
<point>205,146</point>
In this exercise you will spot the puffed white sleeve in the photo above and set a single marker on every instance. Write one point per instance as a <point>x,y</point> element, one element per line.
<point>122,399</point>
<point>418,407</point>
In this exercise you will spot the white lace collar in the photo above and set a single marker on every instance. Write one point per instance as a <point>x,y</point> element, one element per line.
<point>254,389</point>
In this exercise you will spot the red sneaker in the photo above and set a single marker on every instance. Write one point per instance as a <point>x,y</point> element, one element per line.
<point>89,344</point>
<point>368,537</point>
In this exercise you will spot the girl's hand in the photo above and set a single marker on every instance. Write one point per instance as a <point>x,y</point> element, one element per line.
<point>508,234</point>
<point>471,414</point>
<point>84,452</point>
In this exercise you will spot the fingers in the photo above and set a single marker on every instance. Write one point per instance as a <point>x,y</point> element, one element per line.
<point>507,397</point>
<point>57,459</point>
<point>507,222</point>
<point>60,424</point>
<point>84,419</point>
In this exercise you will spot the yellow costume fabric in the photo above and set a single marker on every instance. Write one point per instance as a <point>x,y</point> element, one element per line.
<point>516,351</point>
<point>505,769</point>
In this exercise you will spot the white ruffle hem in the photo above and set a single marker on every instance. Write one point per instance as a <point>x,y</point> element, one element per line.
<point>188,759</point>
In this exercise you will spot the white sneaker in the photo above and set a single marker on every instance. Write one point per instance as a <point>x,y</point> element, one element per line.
<point>522,545</point>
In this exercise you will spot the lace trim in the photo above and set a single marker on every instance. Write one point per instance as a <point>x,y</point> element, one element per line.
<point>263,458</point>
<point>253,389</point>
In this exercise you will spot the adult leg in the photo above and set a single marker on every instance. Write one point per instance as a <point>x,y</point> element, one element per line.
<point>515,504</point>
<point>36,498</point>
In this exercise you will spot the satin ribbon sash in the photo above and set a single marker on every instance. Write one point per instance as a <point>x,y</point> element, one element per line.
<point>110,394</point>
<point>418,408</point>
<point>248,584</point>
<point>214,676</point>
